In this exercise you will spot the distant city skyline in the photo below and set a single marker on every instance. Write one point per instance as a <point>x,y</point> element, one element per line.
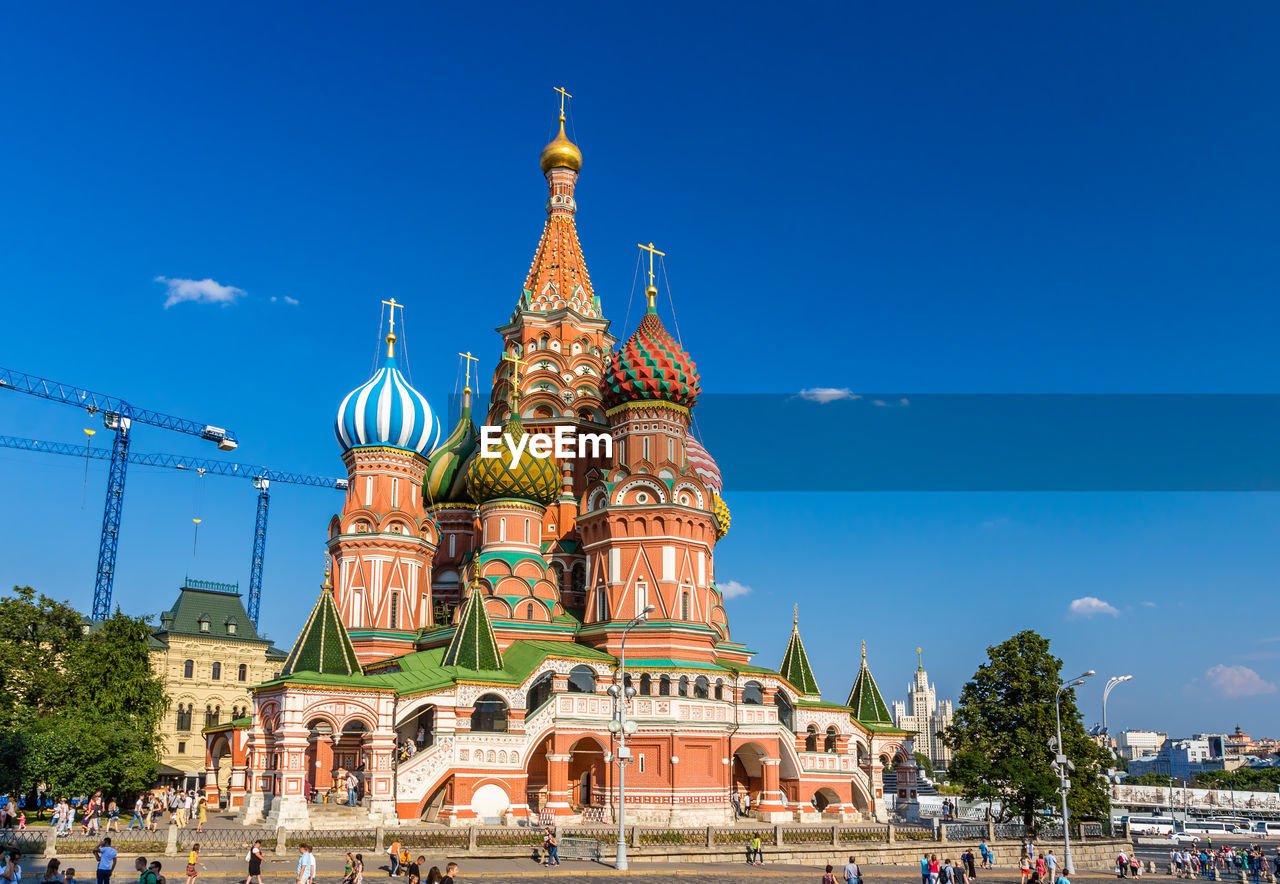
<point>1007,199</point>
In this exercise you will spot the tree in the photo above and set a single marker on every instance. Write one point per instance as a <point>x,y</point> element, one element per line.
<point>1000,735</point>
<point>1149,779</point>
<point>923,762</point>
<point>79,705</point>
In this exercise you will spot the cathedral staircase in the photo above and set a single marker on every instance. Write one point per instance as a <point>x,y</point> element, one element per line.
<point>338,816</point>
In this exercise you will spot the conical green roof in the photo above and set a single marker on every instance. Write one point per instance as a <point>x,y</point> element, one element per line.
<point>865,700</point>
<point>795,666</point>
<point>323,645</point>
<point>473,645</point>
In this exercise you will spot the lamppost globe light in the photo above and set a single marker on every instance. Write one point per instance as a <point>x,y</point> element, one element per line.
<point>649,609</point>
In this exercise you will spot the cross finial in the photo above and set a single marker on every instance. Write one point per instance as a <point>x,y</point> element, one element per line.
<point>795,619</point>
<point>391,335</point>
<point>328,572</point>
<point>864,652</point>
<point>516,363</point>
<point>469,359</point>
<point>563,96</point>
<point>652,290</point>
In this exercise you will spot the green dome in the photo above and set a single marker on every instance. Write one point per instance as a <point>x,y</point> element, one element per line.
<point>535,479</point>
<point>446,478</point>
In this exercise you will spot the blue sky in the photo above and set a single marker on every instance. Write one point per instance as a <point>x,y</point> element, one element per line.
<point>994,198</point>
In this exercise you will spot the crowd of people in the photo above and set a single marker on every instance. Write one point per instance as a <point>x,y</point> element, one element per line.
<point>1206,862</point>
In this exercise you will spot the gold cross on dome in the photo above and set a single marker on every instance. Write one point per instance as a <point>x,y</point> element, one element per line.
<point>652,251</point>
<point>516,362</point>
<point>469,359</point>
<point>393,304</point>
<point>563,96</point>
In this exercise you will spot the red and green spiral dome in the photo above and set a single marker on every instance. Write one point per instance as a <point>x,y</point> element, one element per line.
<point>651,365</point>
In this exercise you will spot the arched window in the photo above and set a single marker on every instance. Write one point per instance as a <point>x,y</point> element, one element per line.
<point>684,685</point>
<point>753,694</point>
<point>785,717</point>
<point>539,692</point>
<point>184,717</point>
<point>242,672</point>
<point>829,744</point>
<point>642,594</point>
<point>701,687</point>
<point>490,715</point>
<point>528,611</point>
<point>602,604</point>
<point>558,570</point>
<point>582,680</point>
<point>664,686</point>
<point>719,688</point>
<point>188,668</point>
<point>216,672</point>
<point>646,685</point>
<point>578,578</point>
<point>811,738</point>
<point>684,606</point>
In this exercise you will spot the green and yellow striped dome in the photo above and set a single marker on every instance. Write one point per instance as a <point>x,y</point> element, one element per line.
<point>446,478</point>
<point>535,479</point>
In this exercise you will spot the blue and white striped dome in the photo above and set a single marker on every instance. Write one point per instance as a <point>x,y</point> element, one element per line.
<point>386,410</point>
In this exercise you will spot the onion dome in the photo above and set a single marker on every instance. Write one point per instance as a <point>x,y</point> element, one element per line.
<point>703,464</point>
<point>720,510</point>
<point>446,478</point>
<point>560,151</point>
<point>535,479</point>
<point>651,365</point>
<point>387,410</point>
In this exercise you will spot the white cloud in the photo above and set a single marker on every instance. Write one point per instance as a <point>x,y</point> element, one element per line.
<point>880,402</point>
<point>1091,607</point>
<point>732,589</point>
<point>1238,681</point>
<point>824,395</point>
<point>201,291</point>
<point>1148,604</point>
<point>292,302</point>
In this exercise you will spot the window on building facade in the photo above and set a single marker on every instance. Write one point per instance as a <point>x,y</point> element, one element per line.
<point>528,611</point>
<point>582,680</point>
<point>395,610</point>
<point>182,748</point>
<point>664,686</point>
<point>753,694</point>
<point>489,715</point>
<point>204,622</point>
<point>811,738</point>
<point>719,688</point>
<point>646,685</point>
<point>701,688</point>
<point>684,686</point>
<point>539,692</point>
<point>684,606</point>
<point>189,669</point>
<point>829,744</point>
<point>211,715</point>
<point>231,627</point>
<point>242,672</point>
<point>215,672</point>
<point>785,716</point>
<point>184,717</point>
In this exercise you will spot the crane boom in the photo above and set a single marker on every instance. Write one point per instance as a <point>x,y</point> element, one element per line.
<point>261,476</point>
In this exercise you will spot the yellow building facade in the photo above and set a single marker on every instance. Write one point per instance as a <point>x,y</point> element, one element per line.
<point>209,654</point>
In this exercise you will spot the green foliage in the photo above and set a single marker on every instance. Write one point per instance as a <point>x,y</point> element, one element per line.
<point>79,708</point>
<point>1148,779</point>
<point>923,762</point>
<point>1000,736</point>
<point>1246,779</point>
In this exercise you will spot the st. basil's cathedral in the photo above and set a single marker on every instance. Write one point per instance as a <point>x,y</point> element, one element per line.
<point>459,658</point>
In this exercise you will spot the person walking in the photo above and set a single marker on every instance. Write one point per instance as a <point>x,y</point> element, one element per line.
<point>145,874</point>
<point>394,852</point>
<point>193,860</point>
<point>202,814</point>
<point>1024,867</point>
<point>450,874</point>
<point>924,869</point>
<point>852,873</point>
<point>827,877</point>
<point>550,847</point>
<point>306,865</point>
<point>756,857</point>
<point>970,864</point>
<point>113,816</point>
<point>353,786</point>
<point>1051,867</point>
<point>254,858</point>
<point>357,870</point>
<point>138,808</point>
<point>935,869</point>
<point>51,875</point>
<point>105,854</point>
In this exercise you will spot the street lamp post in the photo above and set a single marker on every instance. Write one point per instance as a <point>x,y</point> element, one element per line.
<point>1062,763</point>
<point>621,726</point>
<point>1106,692</point>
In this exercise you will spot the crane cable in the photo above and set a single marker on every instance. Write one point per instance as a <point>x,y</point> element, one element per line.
<point>195,539</point>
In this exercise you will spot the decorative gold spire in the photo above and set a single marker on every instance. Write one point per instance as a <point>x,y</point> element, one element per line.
<point>795,619</point>
<point>652,291</point>
<point>327,586</point>
<point>561,151</point>
<point>516,362</point>
<point>466,390</point>
<point>391,335</point>
<point>864,652</point>
<point>920,659</point>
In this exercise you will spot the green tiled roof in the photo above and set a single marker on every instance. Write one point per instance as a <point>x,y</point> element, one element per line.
<point>865,700</point>
<point>473,645</point>
<point>218,607</point>
<point>795,666</point>
<point>323,646</point>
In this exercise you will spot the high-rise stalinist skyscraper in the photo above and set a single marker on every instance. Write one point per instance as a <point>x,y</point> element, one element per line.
<point>927,716</point>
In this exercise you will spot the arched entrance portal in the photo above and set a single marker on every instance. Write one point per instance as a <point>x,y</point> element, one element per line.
<point>319,757</point>
<point>220,764</point>
<point>586,775</point>
<point>824,798</point>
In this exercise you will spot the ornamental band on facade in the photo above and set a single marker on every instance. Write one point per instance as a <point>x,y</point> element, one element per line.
<point>458,656</point>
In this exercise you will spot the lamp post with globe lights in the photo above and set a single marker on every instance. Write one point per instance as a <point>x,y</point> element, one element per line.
<point>1064,766</point>
<point>621,725</point>
<point>1106,692</point>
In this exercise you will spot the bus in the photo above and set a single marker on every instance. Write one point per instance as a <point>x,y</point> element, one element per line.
<point>1208,827</point>
<point>1266,827</point>
<point>1150,825</point>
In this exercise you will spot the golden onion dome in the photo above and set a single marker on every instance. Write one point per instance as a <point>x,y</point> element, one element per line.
<point>529,478</point>
<point>561,152</point>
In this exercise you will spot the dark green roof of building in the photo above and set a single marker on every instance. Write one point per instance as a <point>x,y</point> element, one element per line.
<point>795,666</point>
<point>473,645</point>
<point>865,700</point>
<point>219,605</point>
<point>323,646</point>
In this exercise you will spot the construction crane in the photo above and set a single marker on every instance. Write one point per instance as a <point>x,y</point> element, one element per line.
<point>118,416</point>
<point>262,477</point>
